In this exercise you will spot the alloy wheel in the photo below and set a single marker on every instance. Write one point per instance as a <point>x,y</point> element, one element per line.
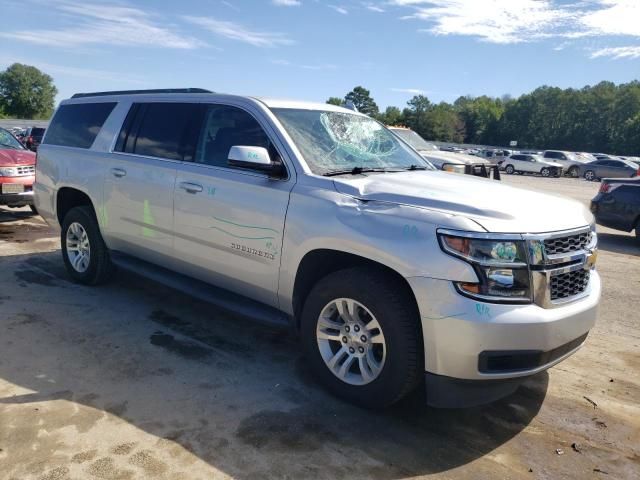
<point>78,247</point>
<point>351,341</point>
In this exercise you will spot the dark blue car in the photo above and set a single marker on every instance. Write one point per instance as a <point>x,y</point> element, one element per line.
<point>617,204</point>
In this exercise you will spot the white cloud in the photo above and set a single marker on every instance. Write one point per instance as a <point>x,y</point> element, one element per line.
<point>613,17</point>
<point>515,21</point>
<point>373,7</point>
<point>412,91</point>
<point>286,3</point>
<point>235,31</point>
<point>617,52</point>
<point>339,9</point>
<point>105,24</point>
<point>498,21</point>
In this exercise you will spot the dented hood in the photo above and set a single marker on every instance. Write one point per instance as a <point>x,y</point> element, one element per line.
<point>497,207</point>
<point>10,157</point>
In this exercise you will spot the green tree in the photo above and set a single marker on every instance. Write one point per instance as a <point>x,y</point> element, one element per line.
<point>335,101</point>
<point>362,100</point>
<point>391,116</point>
<point>26,92</point>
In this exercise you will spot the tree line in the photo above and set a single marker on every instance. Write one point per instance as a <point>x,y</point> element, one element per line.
<point>600,118</point>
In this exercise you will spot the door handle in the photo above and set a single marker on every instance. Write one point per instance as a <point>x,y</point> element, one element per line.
<point>191,187</point>
<point>118,172</point>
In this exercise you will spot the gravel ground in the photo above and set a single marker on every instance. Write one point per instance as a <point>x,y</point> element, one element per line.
<point>135,381</point>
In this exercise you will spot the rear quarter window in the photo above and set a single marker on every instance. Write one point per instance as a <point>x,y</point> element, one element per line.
<point>78,125</point>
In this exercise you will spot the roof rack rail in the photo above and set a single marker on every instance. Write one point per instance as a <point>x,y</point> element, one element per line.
<point>133,92</point>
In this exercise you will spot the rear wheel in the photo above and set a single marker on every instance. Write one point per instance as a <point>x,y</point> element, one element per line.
<point>361,336</point>
<point>545,172</point>
<point>510,170</point>
<point>590,175</point>
<point>85,255</point>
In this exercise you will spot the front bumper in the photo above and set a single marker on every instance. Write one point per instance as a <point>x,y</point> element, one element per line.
<point>459,332</point>
<point>17,199</point>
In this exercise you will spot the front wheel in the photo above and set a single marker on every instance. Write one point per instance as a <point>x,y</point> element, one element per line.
<point>589,175</point>
<point>85,255</point>
<point>573,172</point>
<point>360,333</point>
<point>545,172</point>
<point>510,170</point>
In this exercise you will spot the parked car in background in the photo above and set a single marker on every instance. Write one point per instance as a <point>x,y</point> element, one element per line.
<point>17,172</point>
<point>617,204</point>
<point>521,163</point>
<point>443,160</point>
<point>392,274</point>
<point>635,160</point>
<point>569,161</point>
<point>33,137</point>
<point>612,168</point>
<point>491,155</point>
<point>585,157</point>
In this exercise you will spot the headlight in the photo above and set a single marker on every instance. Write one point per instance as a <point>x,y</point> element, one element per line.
<point>500,264</point>
<point>8,172</point>
<point>450,167</point>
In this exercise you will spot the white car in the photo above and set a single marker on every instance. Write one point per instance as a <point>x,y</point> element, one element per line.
<point>523,163</point>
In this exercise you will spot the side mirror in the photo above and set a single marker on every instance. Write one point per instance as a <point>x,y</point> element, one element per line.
<point>254,158</point>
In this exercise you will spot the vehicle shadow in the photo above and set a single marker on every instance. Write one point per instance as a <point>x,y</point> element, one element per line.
<point>234,394</point>
<point>619,243</point>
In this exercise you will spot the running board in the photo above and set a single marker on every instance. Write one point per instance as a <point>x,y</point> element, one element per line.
<point>219,297</point>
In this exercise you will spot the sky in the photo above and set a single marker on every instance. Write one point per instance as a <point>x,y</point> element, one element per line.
<point>313,49</point>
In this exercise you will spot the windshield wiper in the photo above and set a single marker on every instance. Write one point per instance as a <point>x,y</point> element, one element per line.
<point>358,171</point>
<point>416,167</point>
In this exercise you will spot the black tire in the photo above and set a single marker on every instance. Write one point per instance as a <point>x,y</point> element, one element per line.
<point>509,169</point>
<point>399,319</point>
<point>590,176</point>
<point>573,172</point>
<point>545,172</point>
<point>34,210</point>
<point>100,267</point>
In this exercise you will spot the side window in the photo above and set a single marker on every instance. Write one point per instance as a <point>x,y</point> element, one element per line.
<point>77,125</point>
<point>163,130</point>
<point>224,127</point>
<point>552,155</point>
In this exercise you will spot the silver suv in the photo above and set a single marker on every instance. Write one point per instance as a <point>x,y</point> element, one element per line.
<point>317,217</point>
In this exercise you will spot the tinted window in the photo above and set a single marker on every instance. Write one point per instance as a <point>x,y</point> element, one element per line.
<point>77,125</point>
<point>164,130</point>
<point>552,154</point>
<point>225,127</point>
<point>518,157</point>
<point>37,132</point>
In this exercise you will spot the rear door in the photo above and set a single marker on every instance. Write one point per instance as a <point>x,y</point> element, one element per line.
<point>229,222</point>
<point>138,188</point>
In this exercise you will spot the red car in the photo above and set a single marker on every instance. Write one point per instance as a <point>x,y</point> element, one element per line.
<point>17,172</point>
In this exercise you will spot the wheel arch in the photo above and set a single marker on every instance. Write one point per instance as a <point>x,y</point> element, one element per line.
<point>68,198</point>
<point>317,264</point>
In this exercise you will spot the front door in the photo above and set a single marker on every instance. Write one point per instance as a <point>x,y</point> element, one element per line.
<point>229,222</point>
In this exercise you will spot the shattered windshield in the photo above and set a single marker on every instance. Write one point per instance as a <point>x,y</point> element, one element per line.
<point>413,139</point>
<point>335,141</point>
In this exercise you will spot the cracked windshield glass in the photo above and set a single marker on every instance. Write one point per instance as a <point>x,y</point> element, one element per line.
<point>335,141</point>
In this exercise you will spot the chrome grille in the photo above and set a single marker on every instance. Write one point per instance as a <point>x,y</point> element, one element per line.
<point>570,243</point>
<point>568,284</point>
<point>26,169</point>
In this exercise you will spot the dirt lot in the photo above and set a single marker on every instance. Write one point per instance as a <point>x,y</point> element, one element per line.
<point>134,381</point>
